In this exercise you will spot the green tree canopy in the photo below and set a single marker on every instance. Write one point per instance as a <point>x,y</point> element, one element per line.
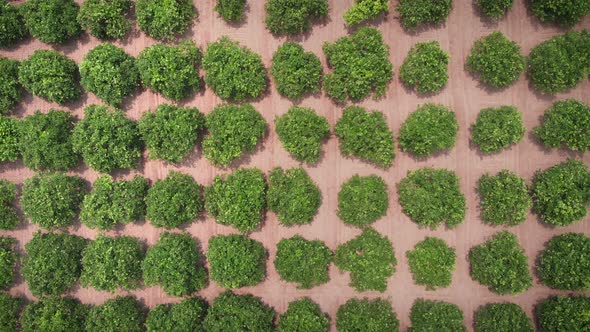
<point>425,69</point>
<point>497,128</point>
<point>10,87</point>
<point>122,313</point>
<point>9,138</point>
<point>303,315</point>
<point>105,19</point>
<point>502,317</point>
<point>566,13</point>
<point>415,13</point>
<point>432,263</point>
<point>302,132</point>
<point>362,200</point>
<point>187,315</point>
<point>8,260</point>
<point>10,308</point>
<point>563,264</point>
<point>9,219</point>
<point>12,25</point>
<point>427,315</point>
<point>232,11</point>
<point>293,196</point>
<point>292,17</point>
<point>566,123</point>
<point>51,21</point>
<point>366,315</point>
<point>563,313</point>
<point>503,198</point>
<point>302,261</point>
<point>494,9</point>
<point>54,314</point>
<point>164,19</point>
<point>231,312</point>
<point>364,10</point>
<point>296,72</point>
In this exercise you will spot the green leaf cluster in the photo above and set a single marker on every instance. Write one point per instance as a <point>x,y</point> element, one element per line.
<point>105,19</point>
<point>494,9</point>
<point>9,219</point>
<point>51,21</point>
<point>164,19</point>
<point>10,87</point>
<point>364,10</point>
<point>232,312</point>
<point>302,261</point>
<point>362,200</point>
<point>431,197</point>
<point>171,132</point>
<point>10,308</point>
<point>502,317</point>
<point>236,261</point>
<point>503,198</point>
<point>566,123</point>
<point>50,75</point>
<point>9,139</point>
<point>52,200</point>
<point>501,264</point>
<point>425,69</point>
<point>296,72</point>
<point>232,11</point>
<point>293,196</point>
<point>432,263</point>
<point>497,128</point>
<point>563,313</point>
<point>12,25</point>
<point>288,17</point>
<point>365,135</point>
<point>566,13</point>
<point>53,263</point>
<point>360,64</point>
<point>369,258</point>
<point>122,313</point>
<point>560,193</point>
<point>8,259</point>
<point>174,201</point>
<point>366,315</point>
<point>54,314</point>
<point>187,315</point>
<point>303,315</point>
<point>563,264</point>
<point>432,128</point>
<point>415,13</point>
<point>302,132</point>
<point>427,315</point>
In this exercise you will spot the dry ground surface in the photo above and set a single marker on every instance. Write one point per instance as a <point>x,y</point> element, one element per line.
<point>462,94</point>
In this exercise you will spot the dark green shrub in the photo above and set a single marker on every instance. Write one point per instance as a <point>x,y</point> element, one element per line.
<point>502,317</point>
<point>187,315</point>
<point>164,19</point>
<point>105,19</point>
<point>366,315</point>
<point>494,9</point>
<point>172,70</point>
<point>9,219</point>
<point>362,200</point>
<point>566,13</point>
<point>9,139</point>
<point>414,13</point>
<point>364,10</point>
<point>233,131</point>
<point>302,132</point>
<point>171,132</point>
<point>123,313</point>
<point>366,136</point>
<point>52,200</point>
<point>112,262</point>
<point>10,308</point>
<point>238,199</point>
<point>46,141</point>
<point>432,128</point>
<point>560,193</point>
<point>565,124</point>
<point>496,61</point>
<point>50,75</point>
<point>111,202</point>
<point>107,140</point>
<point>109,73</point>
<point>431,197</point>
<point>425,69</point>
<point>432,263</point>
<point>369,258</point>
<point>236,261</point>
<point>563,313</point>
<point>303,261</point>
<point>295,71</point>
<point>53,263</point>
<point>51,21</point>
<point>503,198</point>
<point>8,259</point>
<point>12,25</point>
<point>501,264</point>
<point>231,10</point>
<point>174,262</point>
<point>360,64</point>
<point>497,128</point>
<point>10,88</point>
<point>560,63</point>
<point>231,312</point>
<point>563,263</point>
<point>234,72</point>
<point>293,196</point>
<point>429,315</point>
<point>303,315</point>
<point>54,314</point>
<point>292,17</point>
<point>174,201</point>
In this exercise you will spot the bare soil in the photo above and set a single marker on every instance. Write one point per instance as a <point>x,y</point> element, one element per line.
<point>463,94</point>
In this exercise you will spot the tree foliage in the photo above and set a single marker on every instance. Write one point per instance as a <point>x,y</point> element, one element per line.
<point>50,75</point>
<point>496,60</point>
<point>364,10</point>
<point>494,9</point>
<point>111,262</point>
<point>563,263</point>
<point>302,132</point>
<point>187,315</point>
<point>502,317</point>
<point>122,313</point>
<point>497,128</point>
<point>105,19</point>
<point>560,193</point>
<point>360,64</point>
<point>46,141</point>
<point>563,313</point>
<point>427,315</point>
<point>236,261</point>
<point>51,21</point>
<point>9,139</point>
<point>362,200</point>
<point>430,129</point>
<point>501,264</point>
<point>303,315</point>
<point>302,261</point>
<point>174,201</point>
<point>369,258</point>
<point>415,13</point>
<point>232,11</point>
<point>107,140</point>
<point>53,263</point>
<point>366,136</point>
<point>566,13</point>
<point>10,308</point>
<point>287,17</point>
<point>12,25</point>
<point>231,312</point>
<point>425,69</point>
<point>52,200</point>
<point>293,196</point>
<point>164,19</point>
<point>503,198</point>
<point>54,314</point>
<point>238,199</point>
<point>171,132</point>
<point>172,70</point>
<point>10,87</point>
<point>566,123</point>
<point>366,315</point>
<point>8,259</point>
<point>431,197</point>
<point>296,72</point>
<point>432,263</point>
<point>9,219</point>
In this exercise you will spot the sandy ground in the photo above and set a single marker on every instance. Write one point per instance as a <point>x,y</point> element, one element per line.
<point>462,94</point>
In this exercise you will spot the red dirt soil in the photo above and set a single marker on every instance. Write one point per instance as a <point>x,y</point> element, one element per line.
<point>462,94</point>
